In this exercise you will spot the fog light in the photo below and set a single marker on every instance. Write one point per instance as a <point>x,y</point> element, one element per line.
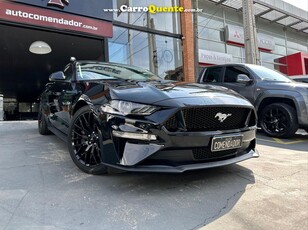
<point>136,136</point>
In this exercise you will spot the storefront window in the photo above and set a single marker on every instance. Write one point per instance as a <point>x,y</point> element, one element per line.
<point>118,45</point>
<point>211,45</point>
<point>169,55</point>
<point>210,21</point>
<point>291,51</point>
<point>127,46</point>
<point>296,45</point>
<point>233,18</point>
<point>279,41</point>
<point>280,50</point>
<point>159,54</point>
<point>212,34</point>
<point>236,51</point>
<point>169,22</point>
<point>267,56</point>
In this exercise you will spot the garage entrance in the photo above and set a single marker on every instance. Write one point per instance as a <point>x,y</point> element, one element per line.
<point>23,74</point>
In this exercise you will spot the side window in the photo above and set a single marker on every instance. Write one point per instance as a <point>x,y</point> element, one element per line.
<point>232,72</point>
<point>68,72</point>
<point>213,74</point>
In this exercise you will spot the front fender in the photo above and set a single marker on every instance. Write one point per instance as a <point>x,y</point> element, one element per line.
<point>83,100</point>
<point>296,97</point>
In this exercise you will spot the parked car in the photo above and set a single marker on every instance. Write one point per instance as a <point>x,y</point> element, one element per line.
<point>282,104</point>
<point>120,116</point>
<point>300,78</point>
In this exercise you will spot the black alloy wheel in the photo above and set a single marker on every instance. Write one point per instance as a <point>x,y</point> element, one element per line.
<point>85,142</point>
<point>279,120</point>
<point>42,123</point>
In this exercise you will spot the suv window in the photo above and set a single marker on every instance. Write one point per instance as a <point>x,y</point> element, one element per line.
<point>213,74</point>
<point>232,72</point>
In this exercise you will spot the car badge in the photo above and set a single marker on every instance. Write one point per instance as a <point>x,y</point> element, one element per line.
<point>222,116</point>
<point>58,3</point>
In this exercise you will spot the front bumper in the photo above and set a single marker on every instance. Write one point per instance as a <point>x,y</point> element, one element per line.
<point>145,146</point>
<point>187,167</point>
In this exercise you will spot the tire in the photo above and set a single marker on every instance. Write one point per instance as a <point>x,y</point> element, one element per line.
<point>279,120</point>
<point>85,142</point>
<point>42,124</point>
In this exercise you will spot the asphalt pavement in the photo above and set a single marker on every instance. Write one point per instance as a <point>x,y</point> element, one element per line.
<point>41,188</point>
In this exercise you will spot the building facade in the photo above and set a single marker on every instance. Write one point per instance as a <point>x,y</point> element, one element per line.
<point>171,44</point>
<point>150,40</point>
<point>282,32</point>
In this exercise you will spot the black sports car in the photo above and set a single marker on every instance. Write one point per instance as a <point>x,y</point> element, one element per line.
<point>115,115</point>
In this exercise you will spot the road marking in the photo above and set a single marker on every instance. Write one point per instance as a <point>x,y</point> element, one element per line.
<point>279,141</point>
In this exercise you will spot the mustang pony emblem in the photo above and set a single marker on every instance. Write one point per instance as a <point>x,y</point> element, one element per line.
<point>58,3</point>
<point>222,116</point>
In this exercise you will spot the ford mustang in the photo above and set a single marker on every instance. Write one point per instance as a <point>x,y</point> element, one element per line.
<point>121,116</point>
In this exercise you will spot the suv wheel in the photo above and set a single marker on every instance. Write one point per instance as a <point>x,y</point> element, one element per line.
<point>279,120</point>
<point>85,142</point>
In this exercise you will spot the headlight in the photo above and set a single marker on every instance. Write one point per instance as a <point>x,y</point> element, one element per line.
<point>126,107</point>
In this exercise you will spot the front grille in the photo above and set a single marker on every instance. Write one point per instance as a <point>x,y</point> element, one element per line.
<point>207,119</point>
<point>206,154</point>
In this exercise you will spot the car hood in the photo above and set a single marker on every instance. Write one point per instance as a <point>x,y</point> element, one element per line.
<point>157,92</point>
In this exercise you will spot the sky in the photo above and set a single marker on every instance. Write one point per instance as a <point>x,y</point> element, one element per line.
<point>303,4</point>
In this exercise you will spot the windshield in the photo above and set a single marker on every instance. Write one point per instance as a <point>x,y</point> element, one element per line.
<point>268,74</point>
<point>105,71</point>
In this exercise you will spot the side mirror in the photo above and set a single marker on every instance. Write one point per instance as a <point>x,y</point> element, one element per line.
<point>243,78</point>
<point>57,76</point>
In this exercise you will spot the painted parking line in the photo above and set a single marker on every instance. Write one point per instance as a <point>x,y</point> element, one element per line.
<point>284,142</point>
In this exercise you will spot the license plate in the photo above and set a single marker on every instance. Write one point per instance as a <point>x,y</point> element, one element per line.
<point>220,143</point>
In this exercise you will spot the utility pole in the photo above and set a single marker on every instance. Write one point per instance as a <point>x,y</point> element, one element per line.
<point>196,35</point>
<point>250,33</point>
<point>152,46</point>
<point>175,41</point>
<point>130,36</point>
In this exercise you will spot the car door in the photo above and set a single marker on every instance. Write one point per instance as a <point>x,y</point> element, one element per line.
<point>230,80</point>
<point>61,102</point>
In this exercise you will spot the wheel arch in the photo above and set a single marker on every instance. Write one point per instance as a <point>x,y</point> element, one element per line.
<point>81,103</point>
<point>270,100</point>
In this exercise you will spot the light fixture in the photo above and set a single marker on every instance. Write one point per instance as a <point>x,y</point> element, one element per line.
<point>40,47</point>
